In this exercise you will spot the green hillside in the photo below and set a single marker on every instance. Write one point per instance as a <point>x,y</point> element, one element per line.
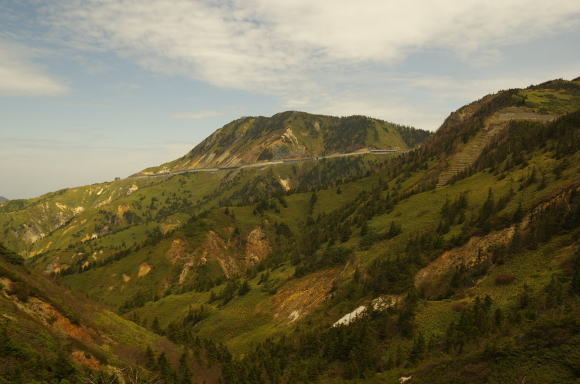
<point>50,335</point>
<point>456,262</point>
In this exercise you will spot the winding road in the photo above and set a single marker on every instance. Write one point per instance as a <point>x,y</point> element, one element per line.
<point>262,164</point>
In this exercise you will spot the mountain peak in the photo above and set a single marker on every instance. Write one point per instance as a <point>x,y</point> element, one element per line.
<point>292,135</point>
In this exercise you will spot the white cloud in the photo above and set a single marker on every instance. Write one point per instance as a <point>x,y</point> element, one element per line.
<point>273,47</point>
<point>324,55</point>
<point>19,77</point>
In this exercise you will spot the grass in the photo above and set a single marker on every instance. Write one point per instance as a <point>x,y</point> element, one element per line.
<point>552,101</point>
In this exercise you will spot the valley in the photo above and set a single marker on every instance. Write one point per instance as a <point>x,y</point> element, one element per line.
<point>307,248</point>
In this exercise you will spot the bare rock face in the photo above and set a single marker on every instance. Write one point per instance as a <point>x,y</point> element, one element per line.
<point>478,251</point>
<point>302,296</point>
<point>257,247</point>
<point>233,257</point>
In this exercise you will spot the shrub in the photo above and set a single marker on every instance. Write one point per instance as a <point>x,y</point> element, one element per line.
<point>20,290</point>
<point>504,279</point>
<point>459,307</point>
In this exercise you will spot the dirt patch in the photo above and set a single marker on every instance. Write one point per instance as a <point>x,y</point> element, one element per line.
<point>185,271</point>
<point>168,227</point>
<point>52,318</point>
<point>121,210</point>
<point>285,183</point>
<point>144,269</point>
<point>132,189</point>
<point>477,251</point>
<point>302,296</point>
<point>86,360</point>
<point>55,267</point>
<point>178,251</point>
<point>215,246</point>
<point>257,247</point>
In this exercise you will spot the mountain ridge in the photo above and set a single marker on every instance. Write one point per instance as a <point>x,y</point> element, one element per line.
<point>459,279</point>
<point>291,135</point>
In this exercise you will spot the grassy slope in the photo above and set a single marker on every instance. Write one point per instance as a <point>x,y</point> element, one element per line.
<point>114,341</point>
<point>417,213</point>
<point>310,135</point>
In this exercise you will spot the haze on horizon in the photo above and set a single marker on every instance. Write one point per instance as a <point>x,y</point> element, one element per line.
<point>91,90</point>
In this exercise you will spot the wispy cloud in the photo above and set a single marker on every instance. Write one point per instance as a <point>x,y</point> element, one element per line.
<point>20,77</point>
<point>197,115</point>
<point>303,51</point>
<point>271,47</point>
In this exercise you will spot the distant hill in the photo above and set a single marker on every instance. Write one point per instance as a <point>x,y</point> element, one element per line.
<point>3,199</point>
<point>293,135</point>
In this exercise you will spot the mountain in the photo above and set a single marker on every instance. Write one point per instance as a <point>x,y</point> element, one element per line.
<point>457,261</point>
<point>48,334</point>
<point>3,199</point>
<point>292,135</point>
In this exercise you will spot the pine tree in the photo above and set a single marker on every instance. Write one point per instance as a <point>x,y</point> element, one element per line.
<point>244,288</point>
<point>156,327</point>
<point>418,349</point>
<point>149,357</point>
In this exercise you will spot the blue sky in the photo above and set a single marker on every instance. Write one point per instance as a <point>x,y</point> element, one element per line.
<point>94,89</point>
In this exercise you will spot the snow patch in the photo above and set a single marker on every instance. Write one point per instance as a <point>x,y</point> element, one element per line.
<point>379,304</point>
<point>350,317</point>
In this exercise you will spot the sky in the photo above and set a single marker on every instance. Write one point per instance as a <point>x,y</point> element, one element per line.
<point>96,89</point>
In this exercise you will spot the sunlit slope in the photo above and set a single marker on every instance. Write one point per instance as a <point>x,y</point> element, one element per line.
<point>292,135</point>
<point>49,333</point>
<point>244,234</point>
<point>487,206</point>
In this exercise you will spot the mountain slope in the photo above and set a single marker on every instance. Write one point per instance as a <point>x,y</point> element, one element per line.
<point>50,334</point>
<point>352,269</point>
<point>3,199</point>
<point>292,135</point>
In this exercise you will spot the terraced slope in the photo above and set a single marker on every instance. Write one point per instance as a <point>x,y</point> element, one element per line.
<point>470,152</point>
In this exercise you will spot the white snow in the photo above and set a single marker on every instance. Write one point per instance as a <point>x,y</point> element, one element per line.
<point>378,304</point>
<point>350,317</point>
